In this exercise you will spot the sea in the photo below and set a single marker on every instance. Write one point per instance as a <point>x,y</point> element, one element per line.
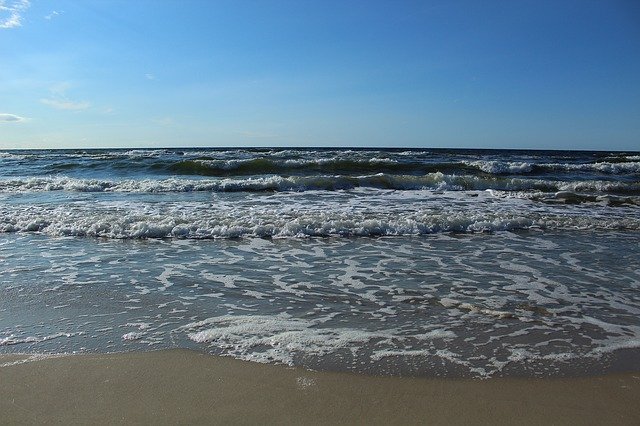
<point>409,262</point>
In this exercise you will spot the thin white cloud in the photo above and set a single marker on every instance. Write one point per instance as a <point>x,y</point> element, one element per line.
<point>150,76</point>
<point>11,12</point>
<point>11,118</point>
<point>52,15</point>
<point>59,99</point>
<point>66,104</point>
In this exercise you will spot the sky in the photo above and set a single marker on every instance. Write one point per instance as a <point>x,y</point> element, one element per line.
<point>461,74</point>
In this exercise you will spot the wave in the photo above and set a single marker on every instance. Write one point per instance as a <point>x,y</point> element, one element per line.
<point>299,162</point>
<point>434,181</point>
<point>155,163</point>
<point>632,167</point>
<point>11,156</point>
<point>258,166</point>
<point>265,166</point>
<point>569,197</point>
<point>210,221</point>
<point>509,167</point>
<point>207,166</point>
<point>502,167</point>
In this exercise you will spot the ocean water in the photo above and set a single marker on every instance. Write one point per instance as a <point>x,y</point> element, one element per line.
<point>454,263</point>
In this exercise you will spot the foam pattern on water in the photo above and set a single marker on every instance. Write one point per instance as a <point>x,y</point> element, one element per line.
<point>532,303</point>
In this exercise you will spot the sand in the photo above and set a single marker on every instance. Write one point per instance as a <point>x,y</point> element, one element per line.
<point>185,387</point>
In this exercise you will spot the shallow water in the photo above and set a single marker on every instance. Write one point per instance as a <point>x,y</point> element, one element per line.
<point>445,304</point>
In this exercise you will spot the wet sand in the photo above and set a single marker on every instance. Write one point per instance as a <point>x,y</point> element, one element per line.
<point>185,387</point>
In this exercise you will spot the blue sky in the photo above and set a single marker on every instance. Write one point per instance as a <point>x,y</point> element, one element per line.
<point>479,74</point>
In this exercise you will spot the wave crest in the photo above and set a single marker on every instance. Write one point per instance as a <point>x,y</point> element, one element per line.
<point>433,181</point>
<point>209,221</point>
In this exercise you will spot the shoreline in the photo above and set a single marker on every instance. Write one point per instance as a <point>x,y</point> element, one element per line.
<point>178,385</point>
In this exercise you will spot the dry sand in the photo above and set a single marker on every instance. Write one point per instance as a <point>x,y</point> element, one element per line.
<point>184,387</point>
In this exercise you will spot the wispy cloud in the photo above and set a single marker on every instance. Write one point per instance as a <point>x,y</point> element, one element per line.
<point>66,104</point>
<point>59,100</point>
<point>52,15</point>
<point>11,12</point>
<point>150,76</point>
<point>11,118</point>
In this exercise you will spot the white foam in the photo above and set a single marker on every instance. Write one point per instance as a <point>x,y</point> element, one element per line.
<point>133,336</point>
<point>435,181</point>
<point>602,167</point>
<point>13,340</point>
<point>452,303</point>
<point>139,325</point>
<point>31,358</point>
<point>281,335</point>
<point>501,167</point>
<point>291,218</point>
<point>388,353</point>
<point>439,333</point>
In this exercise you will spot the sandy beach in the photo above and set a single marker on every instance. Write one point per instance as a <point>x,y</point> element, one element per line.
<point>186,387</point>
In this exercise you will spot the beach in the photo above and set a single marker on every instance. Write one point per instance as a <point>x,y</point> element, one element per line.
<point>319,286</point>
<point>187,387</point>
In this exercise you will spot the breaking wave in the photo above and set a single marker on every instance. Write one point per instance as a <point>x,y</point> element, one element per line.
<point>434,181</point>
<point>208,221</point>
<point>506,167</point>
